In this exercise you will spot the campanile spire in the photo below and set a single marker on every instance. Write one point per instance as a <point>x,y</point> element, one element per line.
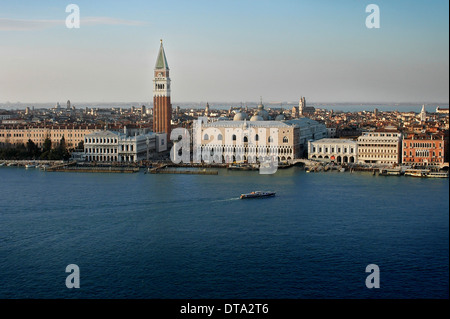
<point>162,107</point>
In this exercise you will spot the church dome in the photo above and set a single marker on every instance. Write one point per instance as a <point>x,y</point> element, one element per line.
<point>256,117</point>
<point>280,117</point>
<point>264,114</point>
<point>240,116</point>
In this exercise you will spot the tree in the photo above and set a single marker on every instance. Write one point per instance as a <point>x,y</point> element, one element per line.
<point>61,151</point>
<point>81,145</point>
<point>47,145</point>
<point>32,149</point>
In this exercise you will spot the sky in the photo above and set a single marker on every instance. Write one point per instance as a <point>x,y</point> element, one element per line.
<point>219,51</point>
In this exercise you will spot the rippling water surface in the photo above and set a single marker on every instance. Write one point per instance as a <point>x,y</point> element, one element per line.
<point>188,236</point>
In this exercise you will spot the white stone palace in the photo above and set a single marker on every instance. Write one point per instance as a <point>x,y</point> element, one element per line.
<point>123,147</point>
<point>247,140</point>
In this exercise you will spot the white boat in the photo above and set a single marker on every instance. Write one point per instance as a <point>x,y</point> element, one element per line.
<point>30,166</point>
<point>257,194</point>
<point>2,164</point>
<point>437,175</point>
<point>417,172</point>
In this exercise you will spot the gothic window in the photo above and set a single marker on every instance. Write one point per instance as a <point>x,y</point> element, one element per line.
<point>219,137</point>
<point>234,137</point>
<point>285,139</point>
<point>206,137</point>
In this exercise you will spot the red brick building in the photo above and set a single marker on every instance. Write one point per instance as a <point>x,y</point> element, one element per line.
<point>425,149</point>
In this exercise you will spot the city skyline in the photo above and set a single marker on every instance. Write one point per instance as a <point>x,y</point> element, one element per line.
<point>226,51</point>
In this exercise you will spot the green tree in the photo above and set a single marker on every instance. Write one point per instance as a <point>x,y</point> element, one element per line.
<point>47,145</point>
<point>81,145</point>
<point>63,152</point>
<point>32,149</point>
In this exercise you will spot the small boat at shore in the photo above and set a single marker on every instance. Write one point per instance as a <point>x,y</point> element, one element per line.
<point>257,194</point>
<point>30,166</point>
<point>242,167</point>
<point>437,175</point>
<point>417,172</point>
<point>390,172</point>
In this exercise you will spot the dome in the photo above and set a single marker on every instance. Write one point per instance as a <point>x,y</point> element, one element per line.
<point>280,117</point>
<point>256,117</point>
<point>261,107</point>
<point>240,116</point>
<point>264,114</point>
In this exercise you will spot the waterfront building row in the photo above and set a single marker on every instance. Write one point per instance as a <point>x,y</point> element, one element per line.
<point>73,135</point>
<point>384,147</point>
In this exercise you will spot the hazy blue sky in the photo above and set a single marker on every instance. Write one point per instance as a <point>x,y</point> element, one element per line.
<point>226,51</point>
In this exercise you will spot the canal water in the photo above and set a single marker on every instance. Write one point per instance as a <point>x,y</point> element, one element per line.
<point>189,236</point>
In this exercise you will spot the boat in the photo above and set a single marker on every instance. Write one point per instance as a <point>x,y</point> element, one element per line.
<point>417,172</point>
<point>30,166</point>
<point>257,194</point>
<point>390,172</point>
<point>437,175</point>
<point>2,164</point>
<point>242,167</point>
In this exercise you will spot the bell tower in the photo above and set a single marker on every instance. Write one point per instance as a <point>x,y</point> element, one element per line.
<point>162,107</point>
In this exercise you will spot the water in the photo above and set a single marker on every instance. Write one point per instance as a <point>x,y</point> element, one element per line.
<point>188,236</point>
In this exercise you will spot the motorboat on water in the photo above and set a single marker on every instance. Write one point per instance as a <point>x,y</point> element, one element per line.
<point>257,194</point>
<point>437,174</point>
<point>417,172</point>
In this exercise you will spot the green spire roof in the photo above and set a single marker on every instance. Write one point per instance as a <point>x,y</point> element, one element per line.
<point>161,62</point>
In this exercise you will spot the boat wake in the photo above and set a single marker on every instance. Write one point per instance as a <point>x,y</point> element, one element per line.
<point>225,200</point>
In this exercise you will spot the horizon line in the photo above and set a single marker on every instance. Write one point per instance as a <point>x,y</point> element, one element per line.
<point>239,102</point>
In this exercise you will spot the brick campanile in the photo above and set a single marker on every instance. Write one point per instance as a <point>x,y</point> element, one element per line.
<point>162,108</point>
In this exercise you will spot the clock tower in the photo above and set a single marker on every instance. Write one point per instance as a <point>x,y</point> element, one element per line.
<point>162,108</point>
